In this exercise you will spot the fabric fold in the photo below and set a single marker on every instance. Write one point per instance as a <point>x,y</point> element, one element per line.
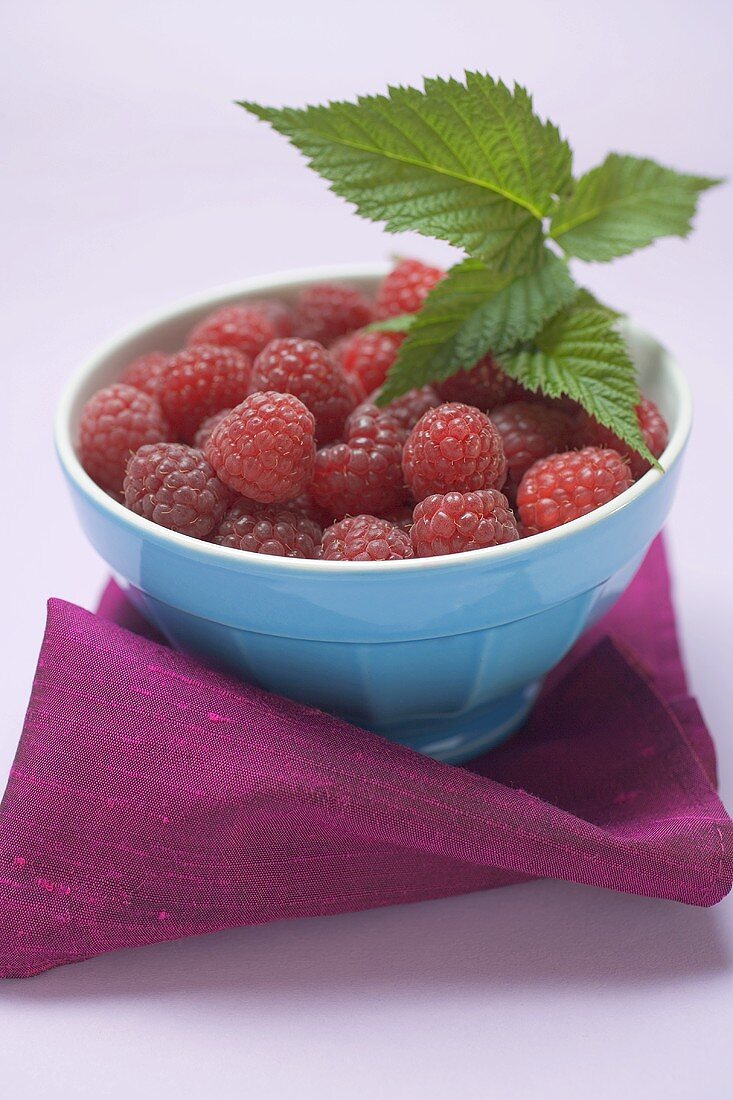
<point>152,798</point>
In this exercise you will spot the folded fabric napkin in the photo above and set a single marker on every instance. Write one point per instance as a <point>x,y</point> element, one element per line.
<point>152,798</point>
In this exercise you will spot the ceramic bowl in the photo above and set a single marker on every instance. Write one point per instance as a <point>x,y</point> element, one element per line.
<point>444,654</point>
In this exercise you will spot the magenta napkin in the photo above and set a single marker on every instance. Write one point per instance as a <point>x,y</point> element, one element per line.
<point>152,799</point>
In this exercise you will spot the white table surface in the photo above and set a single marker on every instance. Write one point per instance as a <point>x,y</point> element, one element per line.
<point>129,180</point>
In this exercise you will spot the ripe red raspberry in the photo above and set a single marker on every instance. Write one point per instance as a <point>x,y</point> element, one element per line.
<point>325,311</point>
<point>365,538</point>
<point>408,409</point>
<point>454,522</point>
<point>114,422</point>
<point>305,368</point>
<point>653,428</point>
<point>245,328</point>
<point>269,529</point>
<point>206,427</point>
<point>277,313</point>
<point>144,372</point>
<point>453,448</point>
<point>563,487</point>
<point>405,410</point>
<point>530,431</point>
<point>201,381</point>
<point>484,386</point>
<point>369,355</point>
<point>363,474</point>
<point>265,448</point>
<point>174,486</point>
<point>406,287</point>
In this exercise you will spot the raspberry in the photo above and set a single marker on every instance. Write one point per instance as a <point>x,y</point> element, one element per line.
<point>453,448</point>
<point>114,422</point>
<point>365,538</point>
<point>269,529</point>
<point>265,449</point>
<point>369,355</point>
<point>408,409</point>
<point>456,522</point>
<point>363,474</point>
<point>484,386</point>
<point>305,368</point>
<point>174,486</point>
<point>246,328</point>
<point>563,487</point>
<point>653,428</point>
<point>144,372</point>
<point>206,427</point>
<point>277,313</point>
<point>325,311</point>
<point>530,431</point>
<point>201,381</point>
<point>406,287</point>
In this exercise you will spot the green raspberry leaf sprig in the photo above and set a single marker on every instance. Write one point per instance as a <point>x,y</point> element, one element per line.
<point>580,354</point>
<point>624,204</point>
<point>471,163</point>
<point>474,310</point>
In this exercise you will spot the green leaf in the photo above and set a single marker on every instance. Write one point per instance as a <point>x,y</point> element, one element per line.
<point>580,354</point>
<point>469,163</point>
<point>402,323</point>
<point>585,299</point>
<point>471,311</point>
<point>624,204</point>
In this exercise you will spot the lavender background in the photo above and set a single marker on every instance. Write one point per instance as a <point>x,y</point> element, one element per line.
<point>130,180</point>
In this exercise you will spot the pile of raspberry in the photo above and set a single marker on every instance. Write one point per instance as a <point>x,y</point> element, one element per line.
<point>263,435</point>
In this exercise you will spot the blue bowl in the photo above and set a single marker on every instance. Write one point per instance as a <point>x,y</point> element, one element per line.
<point>443,654</point>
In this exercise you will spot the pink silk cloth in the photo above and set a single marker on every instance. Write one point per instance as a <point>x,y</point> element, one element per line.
<point>152,798</point>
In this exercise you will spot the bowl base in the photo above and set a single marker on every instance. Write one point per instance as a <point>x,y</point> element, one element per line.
<point>456,740</point>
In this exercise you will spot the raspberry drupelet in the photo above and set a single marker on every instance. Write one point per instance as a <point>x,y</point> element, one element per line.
<point>246,328</point>
<point>485,386</point>
<point>201,381</point>
<point>325,311</point>
<point>451,523</point>
<point>365,538</point>
<point>453,447</point>
<point>265,448</point>
<point>114,422</point>
<point>563,487</point>
<point>305,369</point>
<point>269,529</point>
<point>174,486</point>
<point>364,473</point>
<point>406,287</point>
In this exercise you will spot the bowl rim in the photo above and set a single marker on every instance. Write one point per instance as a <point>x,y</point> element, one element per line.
<point>244,560</point>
